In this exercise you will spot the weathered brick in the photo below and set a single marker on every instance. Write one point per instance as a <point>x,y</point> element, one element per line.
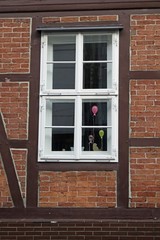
<point>5,197</point>
<point>14,108</point>
<point>144,108</point>
<point>20,162</point>
<point>15,32</point>
<point>72,19</point>
<point>144,37</point>
<point>77,189</point>
<point>144,180</point>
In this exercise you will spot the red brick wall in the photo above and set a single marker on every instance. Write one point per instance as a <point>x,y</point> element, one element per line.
<point>5,197</point>
<point>145,42</point>
<point>74,19</point>
<point>14,107</point>
<point>15,40</point>
<point>145,177</point>
<point>77,189</point>
<point>99,230</point>
<point>19,159</point>
<point>145,111</point>
<point>145,108</point>
<point>20,162</point>
<point>15,45</point>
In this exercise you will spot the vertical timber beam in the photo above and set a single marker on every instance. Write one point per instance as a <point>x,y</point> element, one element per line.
<point>32,170</point>
<point>123,171</point>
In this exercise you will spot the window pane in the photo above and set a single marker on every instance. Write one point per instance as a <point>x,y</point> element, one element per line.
<point>97,75</point>
<point>62,139</point>
<point>61,76</point>
<point>97,47</point>
<point>63,114</point>
<point>64,52</point>
<point>96,113</point>
<point>61,48</point>
<point>59,113</point>
<point>59,127</point>
<point>97,139</point>
<point>59,139</point>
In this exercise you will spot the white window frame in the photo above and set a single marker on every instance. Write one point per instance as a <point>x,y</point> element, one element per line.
<point>78,94</point>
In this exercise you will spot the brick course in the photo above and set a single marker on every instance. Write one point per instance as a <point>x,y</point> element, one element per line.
<point>145,42</point>
<point>145,108</point>
<point>82,230</point>
<point>145,177</point>
<point>14,108</point>
<point>77,189</point>
<point>74,19</point>
<point>15,39</point>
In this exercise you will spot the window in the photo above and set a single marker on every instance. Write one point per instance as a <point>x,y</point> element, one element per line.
<point>79,97</point>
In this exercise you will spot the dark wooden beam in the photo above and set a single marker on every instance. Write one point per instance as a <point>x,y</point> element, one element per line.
<point>32,172</point>
<point>122,176</point>
<point>144,142</point>
<point>144,75</point>
<point>9,167</point>
<point>77,166</point>
<point>77,214</point>
<point>74,5</point>
<point>15,77</point>
<point>18,143</point>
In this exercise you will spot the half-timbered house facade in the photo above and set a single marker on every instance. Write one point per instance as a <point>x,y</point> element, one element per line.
<point>80,113</point>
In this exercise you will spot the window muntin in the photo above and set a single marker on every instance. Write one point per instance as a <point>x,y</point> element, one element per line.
<point>79,72</point>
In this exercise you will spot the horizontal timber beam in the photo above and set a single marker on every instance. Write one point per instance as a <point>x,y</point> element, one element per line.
<point>73,5</point>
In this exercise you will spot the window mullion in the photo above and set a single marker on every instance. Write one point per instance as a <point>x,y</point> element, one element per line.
<point>79,62</point>
<point>78,84</point>
<point>115,128</point>
<point>78,117</point>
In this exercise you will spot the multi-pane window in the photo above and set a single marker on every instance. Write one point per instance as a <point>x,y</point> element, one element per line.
<point>79,97</point>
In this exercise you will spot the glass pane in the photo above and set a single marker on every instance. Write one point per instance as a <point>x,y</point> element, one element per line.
<point>97,139</point>
<point>59,113</point>
<point>62,139</point>
<point>61,48</point>
<point>59,139</point>
<point>63,52</point>
<point>61,76</point>
<point>97,75</point>
<point>63,114</point>
<point>97,47</point>
<point>96,113</point>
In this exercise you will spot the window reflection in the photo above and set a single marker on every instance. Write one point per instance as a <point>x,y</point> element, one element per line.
<point>96,125</point>
<point>96,75</point>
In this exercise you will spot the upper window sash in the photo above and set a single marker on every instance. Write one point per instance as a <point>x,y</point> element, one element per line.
<point>79,62</point>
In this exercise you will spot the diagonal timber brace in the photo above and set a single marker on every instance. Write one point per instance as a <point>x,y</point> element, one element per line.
<point>9,167</point>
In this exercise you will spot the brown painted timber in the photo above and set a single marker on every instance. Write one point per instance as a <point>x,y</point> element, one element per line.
<point>74,214</point>
<point>121,211</point>
<point>73,5</point>
<point>9,167</point>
